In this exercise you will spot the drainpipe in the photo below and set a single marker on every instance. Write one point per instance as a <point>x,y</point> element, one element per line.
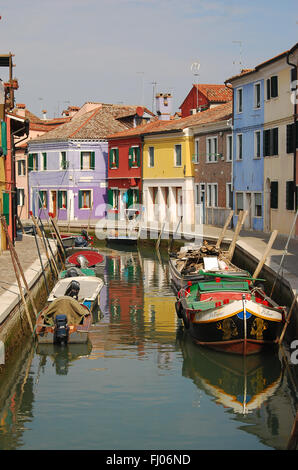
<point>232,165</point>
<point>294,134</point>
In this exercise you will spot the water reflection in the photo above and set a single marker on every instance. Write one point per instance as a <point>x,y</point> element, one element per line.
<point>61,356</point>
<point>138,352</point>
<point>240,383</point>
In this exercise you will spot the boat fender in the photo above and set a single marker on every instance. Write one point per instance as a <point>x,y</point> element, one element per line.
<point>185,319</point>
<point>178,308</point>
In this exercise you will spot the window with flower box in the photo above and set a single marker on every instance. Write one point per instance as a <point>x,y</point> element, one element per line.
<point>114,158</point>
<point>62,199</point>
<point>85,196</point>
<point>134,157</point>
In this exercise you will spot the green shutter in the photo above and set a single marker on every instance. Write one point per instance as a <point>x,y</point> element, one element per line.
<point>44,155</point>
<point>4,137</point>
<point>65,199</point>
<point>130,157</point>
<point>138,157</point>
<point>81,160</point>
<point>92,160</point>
<point>40,199</point>
<point>129,197</point>
<point>36,162</point>
<point>59,199</point>
<point>6,206</point>
<point>30,162</point>
<point>117,158</point>
<point>110,197</point>
<point>80,199</point>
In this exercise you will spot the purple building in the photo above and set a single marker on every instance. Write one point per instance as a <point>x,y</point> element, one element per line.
<point>68,165</point>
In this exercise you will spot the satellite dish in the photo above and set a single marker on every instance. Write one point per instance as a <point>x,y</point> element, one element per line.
<point>195,67</point>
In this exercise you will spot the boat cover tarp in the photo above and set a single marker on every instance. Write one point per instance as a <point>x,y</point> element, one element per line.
<point>67,306</point>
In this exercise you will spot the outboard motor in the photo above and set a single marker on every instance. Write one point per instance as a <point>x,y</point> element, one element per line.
<point>73,290</point>
<point>72,272</point>
<point>85,235</point>
<point>81,242</point>
<point>83,262</point>
<point>61,330</point>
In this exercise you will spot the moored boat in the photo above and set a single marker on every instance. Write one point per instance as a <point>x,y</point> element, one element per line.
<point>71,240</point>
<point>229,313</point>
<point>67,316</point>
<point>63,321</point>
<point>84,259</point>
<point>76,272</point>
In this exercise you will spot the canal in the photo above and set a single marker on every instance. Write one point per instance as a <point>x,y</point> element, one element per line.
<point>140,383</point>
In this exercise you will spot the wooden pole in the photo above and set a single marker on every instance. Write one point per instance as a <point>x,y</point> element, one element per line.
<point>159,237</point>
<point>223,232</point>
<point>287,321</point>
<point>43,243</point>
<point>14,259</point>
<point>266,253</point>
<point>172,240</point>
<point>241,219</point>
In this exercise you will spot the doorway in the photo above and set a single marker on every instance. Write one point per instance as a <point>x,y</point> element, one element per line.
<point>54,203</point>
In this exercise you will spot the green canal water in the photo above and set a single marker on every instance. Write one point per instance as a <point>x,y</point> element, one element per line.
<point>141,383</point>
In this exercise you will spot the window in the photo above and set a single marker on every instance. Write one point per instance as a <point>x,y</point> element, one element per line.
<point>114,158</point>
<point>257,144</point>
<point>258,204</point>
<point>212,197</point>
<point>290,137</point>
<point>229,196</point>
<point>293,79</point>
<point>178,156</point>
<point>134,157</point>
<point>196,155</point>
<point>62,199</point>
<point>229,148</point>
<point>32,162</point>
<point>239,147</point>
<point>20,196</point>
<point>85,199</point>
<point>290,195</point>
<point>197,194</point>
<point>87,160</point>
<point>211,149</point>
<point>239,202</point>
<point>239,100</point>
<point>63,161</point>
<point>272,87</point>
<point>271,142</point>
<point>257,95</point>
<point>274,195</point>
<point>21,167</point>
<point>151,157</point>
<point>42,199</point>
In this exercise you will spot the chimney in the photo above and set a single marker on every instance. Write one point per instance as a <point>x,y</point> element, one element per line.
<point>21,109</point>
<point>44,114</point>
<point>164,106</point>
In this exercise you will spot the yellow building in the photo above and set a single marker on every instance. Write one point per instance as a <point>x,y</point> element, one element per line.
<point>279,178</point>
<point>168,174</point>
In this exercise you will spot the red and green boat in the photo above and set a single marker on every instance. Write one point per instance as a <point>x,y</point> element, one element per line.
<point>230,313</point>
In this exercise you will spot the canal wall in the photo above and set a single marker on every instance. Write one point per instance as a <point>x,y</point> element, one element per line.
<point>14,326</point>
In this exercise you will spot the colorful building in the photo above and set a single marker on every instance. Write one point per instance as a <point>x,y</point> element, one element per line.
<point>37,127</point>
<point>68,166</point>
<point>204,96</point>
<point>248,162</point>
<point>264,172</point>
<point>213,153</point>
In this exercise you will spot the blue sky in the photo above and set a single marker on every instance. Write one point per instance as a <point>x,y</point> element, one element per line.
<point>72,51</point>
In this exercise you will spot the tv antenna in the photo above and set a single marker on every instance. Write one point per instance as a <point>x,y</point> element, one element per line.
<point>195,67</point>
<point>240,54</point>
<point>153,96</point>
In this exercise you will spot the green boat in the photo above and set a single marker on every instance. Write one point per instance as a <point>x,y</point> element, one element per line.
<point>230,313</point>
<point>75,272</point>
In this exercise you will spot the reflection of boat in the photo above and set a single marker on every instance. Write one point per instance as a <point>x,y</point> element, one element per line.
<point>241,383</point>
<point>121,240</point>
<point>62,357</point>
<point>229,314</point>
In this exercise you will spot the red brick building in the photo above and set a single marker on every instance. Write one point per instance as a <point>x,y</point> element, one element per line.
<point>213,165</point>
